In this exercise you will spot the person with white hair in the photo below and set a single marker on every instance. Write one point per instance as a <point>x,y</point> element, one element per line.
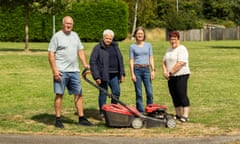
<point>107,68</point>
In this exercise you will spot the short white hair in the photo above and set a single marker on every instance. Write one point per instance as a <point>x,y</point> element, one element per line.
<point>66,17</point>
<point>108,32</point>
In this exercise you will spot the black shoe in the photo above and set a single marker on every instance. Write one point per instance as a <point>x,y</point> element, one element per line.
<point>184,119</point>
<point>83,121</point>
<point>59,124</point>
<point>176,117</point>
<point>101,117</point>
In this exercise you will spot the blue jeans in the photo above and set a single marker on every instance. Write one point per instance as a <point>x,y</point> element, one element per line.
<point>143,75</point>
<point>114,85</point>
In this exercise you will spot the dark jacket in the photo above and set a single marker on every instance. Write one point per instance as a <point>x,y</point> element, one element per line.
<point>99,62</point>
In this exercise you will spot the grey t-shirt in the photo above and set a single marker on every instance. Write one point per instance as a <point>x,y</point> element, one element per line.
<point>66,49</point>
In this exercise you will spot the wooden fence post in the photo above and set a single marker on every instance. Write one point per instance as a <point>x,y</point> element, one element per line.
<point>238,32</point>
<point>210,34</point>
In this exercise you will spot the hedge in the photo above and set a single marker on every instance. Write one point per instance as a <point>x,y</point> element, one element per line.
<point>90,19</point>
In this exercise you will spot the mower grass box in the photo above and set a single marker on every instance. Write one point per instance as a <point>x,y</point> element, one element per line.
<point>117,115</point>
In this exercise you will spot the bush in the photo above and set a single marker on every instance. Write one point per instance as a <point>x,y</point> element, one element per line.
<point>182,21</point>
<point>91,18</point>
<point>40,27</point>
<point>12,25</point>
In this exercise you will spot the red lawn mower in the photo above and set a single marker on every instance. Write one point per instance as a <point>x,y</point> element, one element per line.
<point>121,115</point>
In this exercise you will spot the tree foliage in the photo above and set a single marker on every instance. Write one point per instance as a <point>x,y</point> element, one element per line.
<point>236,10</point>
<point>220,9</point>
<point>182,20</point>
<point>155,13</point>
<point>28,5</point>
<point>90,19</point>
<point>150,14</point>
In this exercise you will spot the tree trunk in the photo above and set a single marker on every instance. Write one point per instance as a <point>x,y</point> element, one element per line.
<point>135,19</point>
<point>26,49</point>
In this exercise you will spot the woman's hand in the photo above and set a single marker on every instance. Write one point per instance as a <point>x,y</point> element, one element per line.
<point>166,75</point>
<point>152,74</point>
<point>134,78</point>
<point>98,81</point>
<point>122,79</point>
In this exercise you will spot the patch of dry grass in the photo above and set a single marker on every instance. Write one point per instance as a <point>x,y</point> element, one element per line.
<point>156,34</point>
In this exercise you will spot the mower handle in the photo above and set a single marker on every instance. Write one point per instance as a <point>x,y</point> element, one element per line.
<point>87,71</point>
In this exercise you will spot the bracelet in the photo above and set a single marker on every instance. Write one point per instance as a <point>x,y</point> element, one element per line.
<point>154,70</point>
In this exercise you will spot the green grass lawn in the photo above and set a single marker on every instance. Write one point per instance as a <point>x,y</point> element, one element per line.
<point>26,92</point>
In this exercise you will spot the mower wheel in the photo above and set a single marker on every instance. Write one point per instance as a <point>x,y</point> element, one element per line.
<point>171,123</point>
<point>137,123</point>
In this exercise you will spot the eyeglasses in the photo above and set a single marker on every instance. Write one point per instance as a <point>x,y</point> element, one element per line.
<point>139,33</point>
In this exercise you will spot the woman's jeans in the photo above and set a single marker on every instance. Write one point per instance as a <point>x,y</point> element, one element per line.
<point>114,85</point>
<point>143,75</point>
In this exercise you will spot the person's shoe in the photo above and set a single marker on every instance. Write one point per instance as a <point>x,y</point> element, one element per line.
<point>101,117</point>
<point>83,121</point>
<point>59,124</point>
<point>176,117</point>
<point>184,119</point>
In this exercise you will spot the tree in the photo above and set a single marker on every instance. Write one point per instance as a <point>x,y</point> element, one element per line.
<point>183,19</point>
<point>27,6</point>
<point>236,11</point>
<point>135,18</point>
<point>220,9</point>
<point>44,6</point>
<point>147,14</point>
<point>142,12</point>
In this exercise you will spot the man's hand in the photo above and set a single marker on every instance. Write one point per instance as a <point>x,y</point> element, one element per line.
<point>57,75</point>
<point>86,66</point>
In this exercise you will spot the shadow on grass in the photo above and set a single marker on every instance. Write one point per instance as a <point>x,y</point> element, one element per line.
<point>91,113</point>
<point>49,119</point>
<point>21,50</point>
<point>226,47</point>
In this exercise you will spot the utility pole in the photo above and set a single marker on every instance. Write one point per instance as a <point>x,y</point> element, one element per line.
<point>177,6</point>
<point>135,19</point>
<point>54,18</point>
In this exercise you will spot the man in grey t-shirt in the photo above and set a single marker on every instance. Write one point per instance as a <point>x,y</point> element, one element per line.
<point>64,49</point>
